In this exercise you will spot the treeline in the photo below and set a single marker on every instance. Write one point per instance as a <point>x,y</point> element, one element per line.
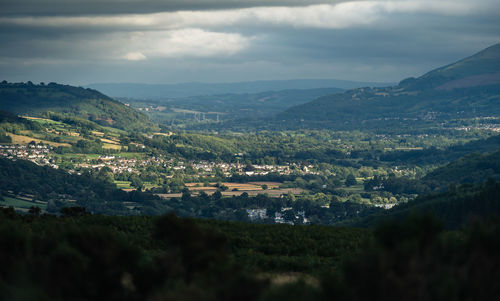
<point>473,169</point>
<point>433,155</point>
<point>353,149</point>
<point>31,88</point>
<point>292,209</point>
<point>88,257</point>
<point>80,123</point>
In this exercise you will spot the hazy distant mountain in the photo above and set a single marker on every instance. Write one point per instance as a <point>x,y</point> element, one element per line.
<point>31,99</point>
<point>223,107</point>
<point>145,91</point>
<point>465,89</point>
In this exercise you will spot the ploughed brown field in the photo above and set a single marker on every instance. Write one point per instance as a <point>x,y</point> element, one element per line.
<point>252,188</point>
<point>231,186</point>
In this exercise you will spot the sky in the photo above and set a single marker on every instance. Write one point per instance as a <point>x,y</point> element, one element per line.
<point>160,41</point>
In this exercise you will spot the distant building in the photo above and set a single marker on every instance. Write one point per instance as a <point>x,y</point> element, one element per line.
<point>255,214</point>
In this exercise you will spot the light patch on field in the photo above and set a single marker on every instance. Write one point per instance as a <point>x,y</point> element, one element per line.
<point>270,193</point>
<point>195,112</point>
<point>99,134</point>
<point>109,141</point>
<point>41,119</point>
<point>111,146</point>
<point>409,148</point>
<point>19,139</point>
<point>164,134</point>
<point>240,186</point>
<point>288,278</point>
<point>123,184</point>
<point>17,203</point>
<point>202,188</point>
<point>270,185</point>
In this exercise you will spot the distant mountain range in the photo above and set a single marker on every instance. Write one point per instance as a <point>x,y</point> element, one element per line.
<point>223,107</point>
<point>30,99</point>
<point>164,91</point>
<point>465,89</point>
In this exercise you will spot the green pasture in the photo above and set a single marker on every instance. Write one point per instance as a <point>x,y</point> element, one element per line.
<point>17,203</point>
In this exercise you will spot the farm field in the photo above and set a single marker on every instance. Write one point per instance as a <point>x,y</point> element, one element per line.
<point>20,139</point>
<point>42,120</point>
<point>123,184</point>
<point>111,146</point>
<point>130,155</point>
<point>239,186</point>
<point>237,189</point>
<point>110,141</point>
<point>18,203</point>
<point>269,192</point>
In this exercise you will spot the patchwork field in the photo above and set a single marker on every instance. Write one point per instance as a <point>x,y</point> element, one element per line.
<point>271,193</point>
<point>18,203</point>
<point>236,189</point>
<point>42,120</point>
<point>20,139</point>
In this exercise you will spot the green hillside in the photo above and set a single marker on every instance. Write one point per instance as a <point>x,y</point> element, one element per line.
<point>454,208</point>
<point>480,69</point>
<point>31,99</point>
<point>435,155</point>
<point>473,168</point>
<point>463,189</point>
<point>467,89</point>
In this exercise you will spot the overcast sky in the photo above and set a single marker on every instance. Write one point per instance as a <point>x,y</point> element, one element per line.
<point>161,41</point>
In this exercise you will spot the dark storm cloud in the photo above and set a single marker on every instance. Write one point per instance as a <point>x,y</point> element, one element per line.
<point>98,7</point>
<point>172,41</point>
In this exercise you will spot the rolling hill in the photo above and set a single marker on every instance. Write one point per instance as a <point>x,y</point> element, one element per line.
<point>473,168</point>
<point>30,99</point>
<point>465,189</point>
<point>454,208</point>
<point>203,109</point>
<point>466,89</point>
<point>442,156</point>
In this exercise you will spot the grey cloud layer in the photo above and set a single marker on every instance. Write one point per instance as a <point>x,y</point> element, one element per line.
<point>200,40</point>
<point>98,7</point>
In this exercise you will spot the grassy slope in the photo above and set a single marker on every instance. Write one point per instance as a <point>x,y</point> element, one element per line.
<point>78,102</point>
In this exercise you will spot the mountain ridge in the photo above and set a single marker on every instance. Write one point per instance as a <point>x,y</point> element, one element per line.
<point>473,90</point>
<point>486,61</point>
